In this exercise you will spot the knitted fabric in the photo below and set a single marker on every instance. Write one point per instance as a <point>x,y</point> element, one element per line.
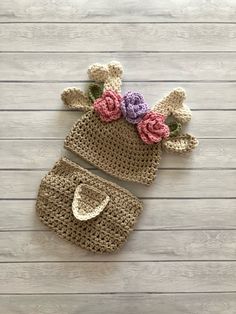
<point>126,147</point>
<point>58,195</point>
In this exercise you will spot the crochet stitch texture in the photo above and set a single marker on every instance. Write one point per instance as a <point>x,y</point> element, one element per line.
<point>105,232</point>
<point>118,147</point>
<point>121,135</point>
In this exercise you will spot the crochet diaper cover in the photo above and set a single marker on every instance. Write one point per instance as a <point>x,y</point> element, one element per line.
<point>85,209</point>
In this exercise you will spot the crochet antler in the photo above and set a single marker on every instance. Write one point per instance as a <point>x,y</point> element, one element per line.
<point>109,74</point>
<point>110,77</point>
<point>172,105</point>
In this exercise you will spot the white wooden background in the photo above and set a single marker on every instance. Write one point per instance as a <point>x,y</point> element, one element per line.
<point>181,259</point>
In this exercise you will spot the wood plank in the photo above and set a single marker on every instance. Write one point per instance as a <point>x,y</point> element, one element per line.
<point>125,11</point>
<point>158,214</point>
<point>41,154</point>
<point>105,277</point>
<point>117,37</point>
<point>199,96</point>
<point>34,154</point>
<point>138,66</point>
<point>141,246</point>
<point>162,264</point>
<point>169,183</point>
<point>19,215</point>
<point>188,184</point>
<point>210,303</point>
<point>56,124</point>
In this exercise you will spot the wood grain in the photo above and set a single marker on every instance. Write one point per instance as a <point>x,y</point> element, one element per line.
<point>125,11</point>
<point>142,246</point>
<point>187,184</point>
<point>105,277</point>
<point>117,37</point>
<point>158,214</point>
<point>207,303</point>
<point>138,66</point>
<point>56,124</point>
<point>41,154</point>
<point>214,96</point>
<point>181,257</point>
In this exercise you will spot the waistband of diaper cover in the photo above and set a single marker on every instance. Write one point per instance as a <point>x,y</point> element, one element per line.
<point>64,163</point>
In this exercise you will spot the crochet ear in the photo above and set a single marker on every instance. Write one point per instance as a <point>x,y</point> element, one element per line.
<point>74,98</point>
<point>172,104</point>
<point>180,144</point>
<point>98,72</point>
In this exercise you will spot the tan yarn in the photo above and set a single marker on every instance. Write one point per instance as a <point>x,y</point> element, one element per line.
<point>76,99</point>
<point>180,144</point>
<point>173,105</point>
<point>116,147</point>
<point>104,233</point>
<point>109,74</point>
<point>85,209</point>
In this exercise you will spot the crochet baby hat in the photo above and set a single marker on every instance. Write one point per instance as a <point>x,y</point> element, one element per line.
<point>123,135</point>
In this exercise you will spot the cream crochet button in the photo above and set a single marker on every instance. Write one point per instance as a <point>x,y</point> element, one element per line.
<point>88,202</point>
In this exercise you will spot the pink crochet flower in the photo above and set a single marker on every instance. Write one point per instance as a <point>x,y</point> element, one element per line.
<point>108,106</point>
<point>152,128</point>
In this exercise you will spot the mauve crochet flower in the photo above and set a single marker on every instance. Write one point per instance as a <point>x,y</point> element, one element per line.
<point>108,106</point>
<point>152,128</point>
<point>133,107</point>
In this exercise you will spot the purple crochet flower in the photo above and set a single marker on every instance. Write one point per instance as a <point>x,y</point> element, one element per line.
<point>133,107</point>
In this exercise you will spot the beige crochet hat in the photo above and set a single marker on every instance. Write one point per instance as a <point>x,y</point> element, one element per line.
<point>122,135</point>
<point>85,209</point>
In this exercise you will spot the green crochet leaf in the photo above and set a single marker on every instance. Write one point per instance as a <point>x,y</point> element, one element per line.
<point>95,91</point>
<point>175,128</point>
